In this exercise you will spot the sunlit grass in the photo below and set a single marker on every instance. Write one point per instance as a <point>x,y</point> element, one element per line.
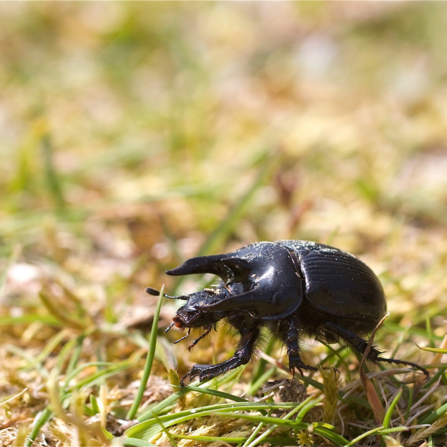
<point>136,135</point>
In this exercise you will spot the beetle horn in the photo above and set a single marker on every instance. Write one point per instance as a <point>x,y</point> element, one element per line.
<point>220,265</point>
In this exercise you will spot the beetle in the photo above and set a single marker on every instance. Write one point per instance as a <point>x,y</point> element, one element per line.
<point>293,288</point>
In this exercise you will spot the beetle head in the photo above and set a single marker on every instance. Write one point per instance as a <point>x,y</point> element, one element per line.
<point>262,279</point>
<point>194,314</point>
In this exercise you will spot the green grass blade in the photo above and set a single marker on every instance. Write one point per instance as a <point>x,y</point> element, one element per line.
<point>236,213</point>
<point>12,259</point>
<point>52,177</point>
<point>265,419</point>
<point>101,375</point>
<point>332,436</point>
<point>74,373</point>
<point>39,421</point>
<point>254,434</point>
<point>74,359</point>
<point>64,353</point>
<point>436,350</point>
<point>305,406</point>
<point>270,430</point>
<point>255,386</point>
<point>137,442</point>
<point>211,438</point>
<point>30,318</point>
<point>385,431</point>
<point>166,432</point>
<point>154,411</point>
<point>216,393</point>
<point>364,435</point>
<point>149,359</point>
<point>47,350</point>
<point>435,415</point>
<point>94,404</point>
<point>389,411</point>
<point>174,397</point>
<point>146,429</point>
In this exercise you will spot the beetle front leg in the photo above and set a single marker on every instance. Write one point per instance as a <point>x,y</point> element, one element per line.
<point>293,349</point>
<point>242,356</point>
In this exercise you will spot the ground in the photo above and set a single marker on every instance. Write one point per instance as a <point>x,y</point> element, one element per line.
<point>137,135</point>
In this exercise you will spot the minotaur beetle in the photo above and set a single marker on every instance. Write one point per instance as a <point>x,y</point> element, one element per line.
<point>293,288</point>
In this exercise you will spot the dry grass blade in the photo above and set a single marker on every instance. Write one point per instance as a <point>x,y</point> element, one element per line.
<point>156,131</point>
<point>425,433</point>
<point>59,311</point>
<point>3,402</point>
<point>86,434</point>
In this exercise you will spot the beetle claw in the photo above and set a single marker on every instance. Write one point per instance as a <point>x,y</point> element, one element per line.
<point>294,369</point>
<point>182,380</point>
<point>295,363</point>
<point>195,371</point>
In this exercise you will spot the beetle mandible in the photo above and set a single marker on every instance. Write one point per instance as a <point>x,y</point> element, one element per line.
<point>292,287</point>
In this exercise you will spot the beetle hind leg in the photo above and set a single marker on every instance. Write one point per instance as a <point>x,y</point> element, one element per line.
<point>360,346</point>
<point>404,362</point>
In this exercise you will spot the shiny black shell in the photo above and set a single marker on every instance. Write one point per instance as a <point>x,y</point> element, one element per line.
<point>272,280</point>
<point>336,282</point>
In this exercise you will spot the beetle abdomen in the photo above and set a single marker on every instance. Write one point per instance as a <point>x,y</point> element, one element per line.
<point>337,283</point>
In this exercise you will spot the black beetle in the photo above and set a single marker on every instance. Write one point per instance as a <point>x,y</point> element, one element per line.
<point>293,288</point>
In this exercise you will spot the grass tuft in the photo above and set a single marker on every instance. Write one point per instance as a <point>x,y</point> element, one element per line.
<point>137,135</point>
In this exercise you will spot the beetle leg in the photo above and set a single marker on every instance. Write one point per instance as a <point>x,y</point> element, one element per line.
<point>360,345</point>
<point>241,357</point>
<point>185,336</point>
<point>293,349</point>
<point>404,362</point>
<point>208,330</point>
<point>169,328</point>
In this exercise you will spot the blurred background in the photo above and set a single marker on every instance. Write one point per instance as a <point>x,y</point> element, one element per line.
<point>136,135</point>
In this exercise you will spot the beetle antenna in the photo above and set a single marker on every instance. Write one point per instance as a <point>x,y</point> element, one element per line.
<point>152,291</point>
<point>155,292</point>
<point>185,336</point>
